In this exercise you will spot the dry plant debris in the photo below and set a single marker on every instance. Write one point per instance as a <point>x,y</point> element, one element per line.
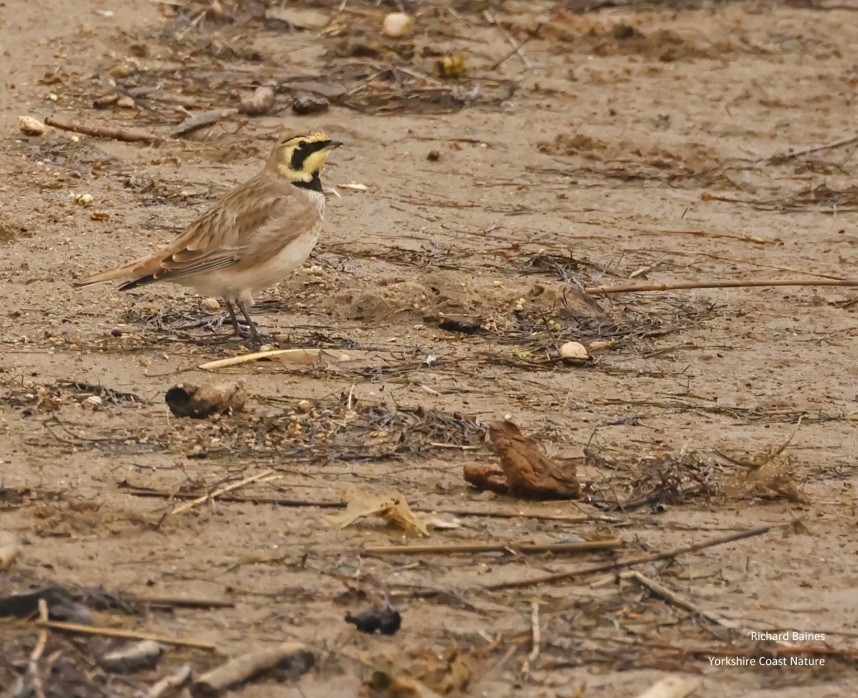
<point>391,507</point>
<point>529,473</point>
<point>200,401</point>
<point>385,620</point>
<point>288,659</point>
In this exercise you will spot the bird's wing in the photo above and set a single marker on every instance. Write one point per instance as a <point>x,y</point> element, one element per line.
<point>220,236</point>
<point>240,224</point>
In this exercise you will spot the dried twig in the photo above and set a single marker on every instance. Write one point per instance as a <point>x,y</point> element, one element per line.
<point>294,656</point>
<point>622,564</point>
<point>536,640</point>
<point>301,356</point>
<point>264,475</point>
<point>585,547</point>
<point>171,682</point>
<point>761,283</point>
<point>125,634</point>
<point>207,118</point>
<point>786,157</point>
<point>668,594</point>
<point>180,602</point>
<point>516,47</point>
<point>38,651</point>
<point>119,134</point>
<point>283,502</point>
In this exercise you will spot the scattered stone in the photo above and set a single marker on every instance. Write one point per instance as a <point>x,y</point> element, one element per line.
<point>397,24</point>
<point>30,126</point>
<point>574,353</point>
<point>132,657</point>
<point>308,103</point>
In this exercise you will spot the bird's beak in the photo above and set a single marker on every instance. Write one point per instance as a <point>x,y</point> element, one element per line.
<point>333,144</point>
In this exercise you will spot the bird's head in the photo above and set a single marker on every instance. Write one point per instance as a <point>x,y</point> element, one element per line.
<point>301,158</point>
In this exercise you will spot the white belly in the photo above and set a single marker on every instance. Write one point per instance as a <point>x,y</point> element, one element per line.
<point>240,281</point>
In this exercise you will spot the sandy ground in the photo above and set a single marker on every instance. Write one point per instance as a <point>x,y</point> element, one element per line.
<point>623,145</point>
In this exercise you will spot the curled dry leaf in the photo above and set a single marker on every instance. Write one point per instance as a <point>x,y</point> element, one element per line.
<point>391,507</point>
<point>199,401</point>
<point>529,472</point>
<point>259,103</point>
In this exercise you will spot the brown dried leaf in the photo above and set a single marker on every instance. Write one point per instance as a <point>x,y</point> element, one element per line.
<point>529,472</point>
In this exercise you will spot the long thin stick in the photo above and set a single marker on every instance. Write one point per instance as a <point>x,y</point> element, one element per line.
<point>280,501</point>
<point>129,135</point>
<point>669,595</point>
<point>471,548</point>
<point>622,564</point>
<point>126,634</point>
<point>779,159</point>
<point>221,490</point>
<point>641,288</point>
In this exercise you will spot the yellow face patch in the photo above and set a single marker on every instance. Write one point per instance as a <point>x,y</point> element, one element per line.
<point>300,158</point>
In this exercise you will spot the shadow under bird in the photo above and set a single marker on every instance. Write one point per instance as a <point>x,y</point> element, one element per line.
<point>255,237</point>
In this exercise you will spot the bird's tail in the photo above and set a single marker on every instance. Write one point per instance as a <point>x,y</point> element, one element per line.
<point>130,273</point>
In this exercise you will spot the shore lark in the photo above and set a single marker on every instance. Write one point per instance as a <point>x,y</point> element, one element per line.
<point>255,237</point>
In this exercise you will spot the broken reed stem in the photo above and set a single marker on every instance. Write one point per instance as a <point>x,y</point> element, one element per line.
<point>762,283</point>
<point>622,564</point>
<point>124,634</point>
<point>587,546</point>
<point>221,490</point>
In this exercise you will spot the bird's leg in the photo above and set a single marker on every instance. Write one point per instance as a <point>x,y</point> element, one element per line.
<point>239,330</point>
<point>253,333</point>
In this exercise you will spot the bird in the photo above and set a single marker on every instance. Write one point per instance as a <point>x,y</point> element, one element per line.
<point>253,238</point>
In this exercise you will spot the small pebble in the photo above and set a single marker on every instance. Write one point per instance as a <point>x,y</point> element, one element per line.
<point>211,305</point>
<point>434,156</point>
<point>30,126</point>
<point>116,332</point>
<point>304,406</point>
<point>397,24</point>
<point>573,351</point>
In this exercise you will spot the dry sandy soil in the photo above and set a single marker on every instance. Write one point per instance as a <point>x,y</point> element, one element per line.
<point>644,144</point>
